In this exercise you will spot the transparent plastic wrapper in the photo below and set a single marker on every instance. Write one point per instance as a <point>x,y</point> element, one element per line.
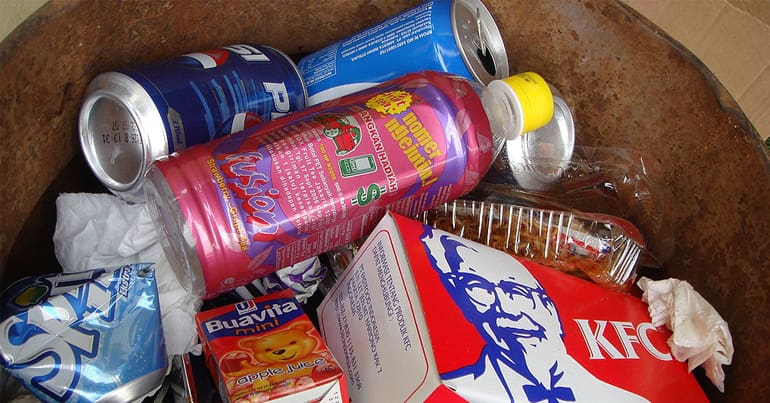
<point>600,248</point>
<point>607,180</point>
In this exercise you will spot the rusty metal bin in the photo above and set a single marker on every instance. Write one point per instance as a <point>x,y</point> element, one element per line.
<point>629,85</point>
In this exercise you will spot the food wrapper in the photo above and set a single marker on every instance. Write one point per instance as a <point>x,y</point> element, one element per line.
<point>421,314</point>
<point>608,180</point>
<point>303,278</point>
<point>601,248</point>
<point>85,337</point>
<point>699,334</point>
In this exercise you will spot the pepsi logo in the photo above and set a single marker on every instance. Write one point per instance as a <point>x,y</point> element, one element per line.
<point>207,59</point>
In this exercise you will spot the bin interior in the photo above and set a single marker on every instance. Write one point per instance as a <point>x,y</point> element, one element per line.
<point>629,86</point>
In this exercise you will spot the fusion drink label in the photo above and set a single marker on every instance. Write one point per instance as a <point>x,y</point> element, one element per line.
<point>268,198</point>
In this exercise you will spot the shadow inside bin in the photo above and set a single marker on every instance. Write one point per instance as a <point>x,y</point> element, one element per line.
<point>33,250</point>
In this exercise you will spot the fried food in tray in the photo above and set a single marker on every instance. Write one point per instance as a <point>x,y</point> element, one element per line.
<point>601,248</point>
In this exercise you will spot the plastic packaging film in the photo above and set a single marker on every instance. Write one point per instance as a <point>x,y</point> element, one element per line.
<point>603,249</point>
<point>608,180</point>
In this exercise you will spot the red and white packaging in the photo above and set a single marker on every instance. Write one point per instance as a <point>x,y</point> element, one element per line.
<point>267,350</point>
<point>424,315</point>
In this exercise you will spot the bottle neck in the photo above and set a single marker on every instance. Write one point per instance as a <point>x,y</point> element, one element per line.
<point>502,113</point>
<point>503,110</point>
<point>518,104</point>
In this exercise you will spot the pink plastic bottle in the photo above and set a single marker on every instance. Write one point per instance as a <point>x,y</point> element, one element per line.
<point>243,206</point>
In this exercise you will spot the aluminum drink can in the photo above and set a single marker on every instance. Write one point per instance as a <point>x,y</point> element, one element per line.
<point>82,337</point>
<point>245,205</point>
<point>454,36</point>
<point>136,115</point>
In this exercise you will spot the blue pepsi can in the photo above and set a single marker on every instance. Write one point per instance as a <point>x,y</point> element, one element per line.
<point>454,36</point>
<point>136,115</point>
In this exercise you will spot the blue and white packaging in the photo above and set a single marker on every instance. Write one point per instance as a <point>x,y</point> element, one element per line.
<point>85,337</point>
<point>453,36</point>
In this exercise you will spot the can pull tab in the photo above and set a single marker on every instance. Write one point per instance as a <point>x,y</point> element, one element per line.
<point>482,51</point>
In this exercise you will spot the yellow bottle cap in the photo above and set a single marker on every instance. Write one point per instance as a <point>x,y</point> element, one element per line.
<point>535,98</point>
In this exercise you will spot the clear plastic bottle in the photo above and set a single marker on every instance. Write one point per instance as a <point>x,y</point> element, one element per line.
<point>246,205</point>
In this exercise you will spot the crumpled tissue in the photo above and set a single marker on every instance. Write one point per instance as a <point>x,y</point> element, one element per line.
<point>699,334</point>
<point>100,230</point>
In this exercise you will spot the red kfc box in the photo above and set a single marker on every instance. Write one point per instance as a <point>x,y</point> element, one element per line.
<point>424,315</point>
<point>267,349</point>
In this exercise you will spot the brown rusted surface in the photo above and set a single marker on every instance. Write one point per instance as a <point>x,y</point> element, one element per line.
<point>629,87</point>
<point>632,88</point>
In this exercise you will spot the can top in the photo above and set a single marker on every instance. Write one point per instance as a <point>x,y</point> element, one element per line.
<point>121,131</point>
<point>538,158</point>
<point>479,41</point>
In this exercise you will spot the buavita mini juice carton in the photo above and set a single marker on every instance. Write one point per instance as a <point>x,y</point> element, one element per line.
<point>267,349</point>
<point>424,315</point>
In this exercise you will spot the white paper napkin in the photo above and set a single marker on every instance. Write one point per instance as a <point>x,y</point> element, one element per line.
<point>100,230</point>
<point>699,334</point>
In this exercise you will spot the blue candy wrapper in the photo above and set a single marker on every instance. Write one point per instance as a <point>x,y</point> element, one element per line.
<point>85,337</point>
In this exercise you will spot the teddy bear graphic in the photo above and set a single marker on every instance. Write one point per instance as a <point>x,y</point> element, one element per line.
<point>277,363</point>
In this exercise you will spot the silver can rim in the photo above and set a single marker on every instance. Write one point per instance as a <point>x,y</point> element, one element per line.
<point>495,38</point>
<point>127,94</point>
